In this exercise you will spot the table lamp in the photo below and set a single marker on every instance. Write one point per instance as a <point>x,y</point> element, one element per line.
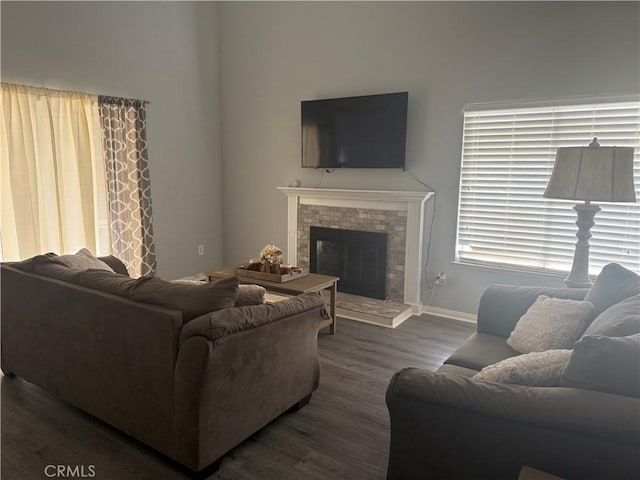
<point>592,173</point>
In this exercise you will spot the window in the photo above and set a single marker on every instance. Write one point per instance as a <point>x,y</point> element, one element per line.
<point>74,174</point>
<point>507,159</point>
<point>54,196</point>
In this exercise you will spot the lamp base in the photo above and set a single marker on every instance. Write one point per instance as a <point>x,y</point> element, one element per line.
<point>579,275</point>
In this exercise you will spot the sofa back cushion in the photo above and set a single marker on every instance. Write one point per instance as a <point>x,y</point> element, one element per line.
<point>105,281</point>
<point>606,364</point>
<point>614,284</point>
<point>54,269</point>
<point>30,264</point>
<point>619,320</point>
<point>191,300</point>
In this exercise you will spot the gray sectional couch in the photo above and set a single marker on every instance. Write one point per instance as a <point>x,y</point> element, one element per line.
<point>449,425</point>
<point>175,366</point>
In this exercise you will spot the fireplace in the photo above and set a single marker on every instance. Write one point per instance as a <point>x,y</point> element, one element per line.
<point>399,214</point>
<point>359,258</point>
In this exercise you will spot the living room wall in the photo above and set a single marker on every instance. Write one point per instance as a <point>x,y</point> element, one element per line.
<point>165,52</point>
<point>446,54</point>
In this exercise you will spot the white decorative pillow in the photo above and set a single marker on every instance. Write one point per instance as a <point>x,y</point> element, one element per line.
<point>83,260</point>
<point>550,323</point>
<point>537,369</point>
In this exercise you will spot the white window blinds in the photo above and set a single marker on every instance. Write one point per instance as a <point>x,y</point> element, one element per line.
<point>507,159</point>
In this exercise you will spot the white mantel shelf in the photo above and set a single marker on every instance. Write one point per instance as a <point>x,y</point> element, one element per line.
<point>376,199</point>
<point>398,200</point>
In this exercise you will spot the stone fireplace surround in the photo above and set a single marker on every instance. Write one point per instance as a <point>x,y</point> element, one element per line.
<point>398,213</point>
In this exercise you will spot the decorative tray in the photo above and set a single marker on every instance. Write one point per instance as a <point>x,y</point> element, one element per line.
<point>273,277</point>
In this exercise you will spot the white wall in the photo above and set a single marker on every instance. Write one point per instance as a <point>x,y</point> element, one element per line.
<point>446,54</point>
<point>163,52</point>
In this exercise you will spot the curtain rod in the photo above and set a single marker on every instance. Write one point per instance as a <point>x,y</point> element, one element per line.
<point>73,92</point>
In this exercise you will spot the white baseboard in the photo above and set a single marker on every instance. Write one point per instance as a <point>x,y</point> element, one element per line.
<point>399,319</point>
<point>451,314</point>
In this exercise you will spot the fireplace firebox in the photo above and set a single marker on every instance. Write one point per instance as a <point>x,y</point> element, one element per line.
<point>358,258</point>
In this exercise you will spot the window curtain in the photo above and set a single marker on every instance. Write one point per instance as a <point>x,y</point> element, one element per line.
<point>129,188</point>
<point>52,173</point>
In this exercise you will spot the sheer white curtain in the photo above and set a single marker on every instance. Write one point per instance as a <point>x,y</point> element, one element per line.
<point>52,177</point>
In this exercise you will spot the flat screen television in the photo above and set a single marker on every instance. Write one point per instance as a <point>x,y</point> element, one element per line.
<point>355,132</point>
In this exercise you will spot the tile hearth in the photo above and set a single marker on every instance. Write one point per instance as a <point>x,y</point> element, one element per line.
<point>385,313</point>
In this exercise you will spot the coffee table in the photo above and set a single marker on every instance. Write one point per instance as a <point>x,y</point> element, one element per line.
<point>310,283</point>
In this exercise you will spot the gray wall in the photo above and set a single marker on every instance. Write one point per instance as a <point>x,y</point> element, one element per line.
<point>273,55</point>
<point>163,52</point>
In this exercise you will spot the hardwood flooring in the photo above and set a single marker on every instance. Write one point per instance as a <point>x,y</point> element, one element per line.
<point>343,433</point>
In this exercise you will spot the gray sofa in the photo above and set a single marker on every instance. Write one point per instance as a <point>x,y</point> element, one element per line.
<point>448,425</point>
<point>143,356</point>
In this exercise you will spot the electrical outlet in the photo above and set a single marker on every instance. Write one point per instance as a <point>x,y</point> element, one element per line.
<point>200,249</point>
<point>441,279</point>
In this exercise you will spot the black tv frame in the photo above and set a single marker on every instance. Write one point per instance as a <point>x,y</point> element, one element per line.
<point>343,138</point>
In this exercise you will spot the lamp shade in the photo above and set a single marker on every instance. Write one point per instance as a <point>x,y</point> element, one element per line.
<point>593,173</point>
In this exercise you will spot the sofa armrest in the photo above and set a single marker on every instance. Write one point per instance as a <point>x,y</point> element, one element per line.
<point>116,264</point>
<point>439,419</point>
<point>240,368</point>
<point>501,306</point>
<point>226,322</point>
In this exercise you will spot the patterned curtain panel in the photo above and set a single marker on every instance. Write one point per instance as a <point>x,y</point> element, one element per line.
<point>129,189</point>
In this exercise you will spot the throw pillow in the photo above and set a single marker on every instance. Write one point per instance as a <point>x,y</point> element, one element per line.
<point>83,260</point>
<point>606,364</point>
<point>614,284</point>
<point>250,295</point>
<point>191,300</point>
<point>550,323</point>
<point>619,320</point>
<point>537,369</point>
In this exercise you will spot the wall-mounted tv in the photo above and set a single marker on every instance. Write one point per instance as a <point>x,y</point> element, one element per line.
<point>355,132</point>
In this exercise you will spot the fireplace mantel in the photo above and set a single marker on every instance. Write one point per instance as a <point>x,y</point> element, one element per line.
<point>411,202</point>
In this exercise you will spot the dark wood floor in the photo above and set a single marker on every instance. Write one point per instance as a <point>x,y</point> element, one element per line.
<point>342,434</point>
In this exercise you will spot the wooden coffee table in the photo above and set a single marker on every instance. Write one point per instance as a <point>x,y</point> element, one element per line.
<point>310,283</point>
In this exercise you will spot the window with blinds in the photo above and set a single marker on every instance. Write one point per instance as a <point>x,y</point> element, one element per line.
<point>507,159</point>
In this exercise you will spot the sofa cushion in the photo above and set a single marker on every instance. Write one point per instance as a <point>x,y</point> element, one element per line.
<point>105,281</point>
<point>606,364</point>
<point>456,370</point>
<point>55,269</point>
<point>191,300</point>
<point>250,295</point>
<point>480,350</point>
<point>550,323</point>
<point>619,320</point>
<point>82,260</point>
<point>614,284</point>
<point>536,369</point>
<point>30,264</point>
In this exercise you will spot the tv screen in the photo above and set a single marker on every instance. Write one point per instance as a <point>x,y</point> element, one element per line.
<point>355,132</point>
